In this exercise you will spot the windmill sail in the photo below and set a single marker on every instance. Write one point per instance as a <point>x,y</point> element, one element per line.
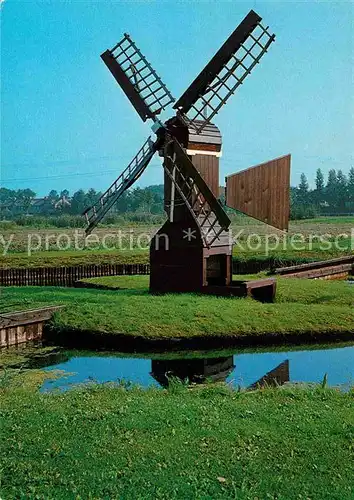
<point>133,171</point>
<point>205,209</point>
<point>140,82</point>
<point>225,72</point>
<point>262,192</point>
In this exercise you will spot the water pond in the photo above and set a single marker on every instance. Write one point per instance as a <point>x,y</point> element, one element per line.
<point>245,369</point>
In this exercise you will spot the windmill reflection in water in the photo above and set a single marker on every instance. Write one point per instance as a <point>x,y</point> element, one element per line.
<point>206,370</point>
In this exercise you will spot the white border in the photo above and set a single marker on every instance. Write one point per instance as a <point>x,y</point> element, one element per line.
<point>192,152</point>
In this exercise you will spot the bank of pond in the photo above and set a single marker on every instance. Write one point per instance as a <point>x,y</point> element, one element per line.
<point>128,317</point>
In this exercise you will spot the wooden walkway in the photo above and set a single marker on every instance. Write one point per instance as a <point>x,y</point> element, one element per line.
<point>339,268</point>
<point>18,327</point>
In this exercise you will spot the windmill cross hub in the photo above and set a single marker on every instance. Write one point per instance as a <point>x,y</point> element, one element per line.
<point>198,256</point>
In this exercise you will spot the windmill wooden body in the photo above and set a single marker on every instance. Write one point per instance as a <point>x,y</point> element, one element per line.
<point>193,250</point>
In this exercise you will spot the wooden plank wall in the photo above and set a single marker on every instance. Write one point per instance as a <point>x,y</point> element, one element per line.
<point>262,192</point>
<point>208,167</point>
<point>66,276</point>
<point>14,335</point>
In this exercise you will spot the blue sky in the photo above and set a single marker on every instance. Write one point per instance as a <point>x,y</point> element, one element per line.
<point>66,123</point>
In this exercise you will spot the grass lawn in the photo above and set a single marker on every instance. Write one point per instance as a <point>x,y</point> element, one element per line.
<point>288,290</point>
<point>138,282</point>
<point>73,258</point>
<point>303,308</point>
<point>211,442</point>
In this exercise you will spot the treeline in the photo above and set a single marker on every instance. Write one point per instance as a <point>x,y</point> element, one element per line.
<point>23,202</point>
<point>331,196</point>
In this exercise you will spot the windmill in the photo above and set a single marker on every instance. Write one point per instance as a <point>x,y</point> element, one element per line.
<point>192,251</point>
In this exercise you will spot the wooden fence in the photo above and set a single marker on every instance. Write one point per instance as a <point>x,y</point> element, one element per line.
<point>69,275</point>
<point>66,276</point>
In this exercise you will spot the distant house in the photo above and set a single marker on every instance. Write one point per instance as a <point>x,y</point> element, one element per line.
<point>41,206</point>
<point>48,206</point>
<point>62,202</point>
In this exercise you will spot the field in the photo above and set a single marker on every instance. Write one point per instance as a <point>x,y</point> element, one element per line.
<point>111,442</point>
<point>314,239</point>
<point>304,308</point>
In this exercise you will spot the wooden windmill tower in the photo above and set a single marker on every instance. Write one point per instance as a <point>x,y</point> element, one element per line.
<point>192,251</point>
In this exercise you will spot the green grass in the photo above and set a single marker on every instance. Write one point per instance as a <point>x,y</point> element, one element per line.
<point>139,282</point>
<point>305,252</point>
<point>210,443</point>
<point>73,258</point>
<point>302,306</point>
<point>335,219</point>
<point>325,292</point>
<point>23,355</point>
<point>289,290</point>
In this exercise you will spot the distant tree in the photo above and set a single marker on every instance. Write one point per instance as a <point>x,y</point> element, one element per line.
<point>331,188</point>
<point>303,189</point>
<point>341,191</point>
<point>157,189</point>
<point>64,194</point>
<point>92,196</point>
<point>318,194</point>
<point>7,202</point>
<point>351,186</point>
<point>24,198</point>
<point>143,200</point>
<point>78,202</point>
<point>7,196</point>
<point>304,185</point>
<point>53,196</point>
<point>319,181</point>
<point>123,205</point>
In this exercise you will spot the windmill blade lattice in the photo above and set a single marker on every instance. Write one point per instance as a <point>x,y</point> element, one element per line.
<point>225,72</point>
<point>140,82</point>
<point>205,209</point>
<point>96,212</point>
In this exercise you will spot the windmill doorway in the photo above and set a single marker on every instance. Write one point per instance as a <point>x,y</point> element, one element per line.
<point>218,270</point>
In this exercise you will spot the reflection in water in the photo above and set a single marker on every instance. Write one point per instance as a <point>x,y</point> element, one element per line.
<point>244,369</point>
<point>278,376</point>
<point>201,370</point>
<point>195,371</point>
<point>47,359</point>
